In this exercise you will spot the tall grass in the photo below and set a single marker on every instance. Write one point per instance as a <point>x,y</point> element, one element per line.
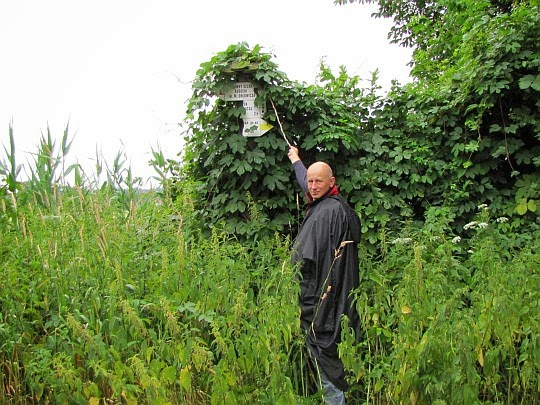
<point>102,303</point>
<point>109,295</point>
<point>9,170</point>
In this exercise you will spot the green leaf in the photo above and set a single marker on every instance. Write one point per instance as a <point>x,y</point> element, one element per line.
<point>168,374</point>
<point>270,182</point>
<point>240,206</point>
<point>530,81</point>
<point>522,206</point>
<point>185,379</point>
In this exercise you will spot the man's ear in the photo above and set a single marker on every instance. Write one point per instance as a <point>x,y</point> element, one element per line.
<point>332,181</point>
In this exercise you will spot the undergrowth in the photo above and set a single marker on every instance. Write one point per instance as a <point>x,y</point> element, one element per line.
<point>111,296</point>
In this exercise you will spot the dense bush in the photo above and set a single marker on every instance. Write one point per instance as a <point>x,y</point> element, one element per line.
<point>466,130</point>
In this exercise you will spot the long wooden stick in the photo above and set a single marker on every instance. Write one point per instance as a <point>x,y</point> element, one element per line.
<point>279,122</point>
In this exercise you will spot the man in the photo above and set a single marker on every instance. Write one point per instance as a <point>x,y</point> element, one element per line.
<point>326,254</point>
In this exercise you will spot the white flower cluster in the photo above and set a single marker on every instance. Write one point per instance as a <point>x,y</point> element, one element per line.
<point>457,239</point>
<point>501,220</point>
<point>470,225</point>
<point>401,241</point>
<point>483,207</point>
<point>474,224</point>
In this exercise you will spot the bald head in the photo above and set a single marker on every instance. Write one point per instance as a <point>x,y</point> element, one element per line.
<point>320,179</point>
<point>323,168</point>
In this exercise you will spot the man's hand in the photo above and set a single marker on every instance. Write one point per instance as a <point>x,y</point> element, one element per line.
<point>293,154</point>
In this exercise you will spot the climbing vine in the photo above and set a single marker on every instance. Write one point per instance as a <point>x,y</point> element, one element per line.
<point>465,136</point>
<point>245,183</point>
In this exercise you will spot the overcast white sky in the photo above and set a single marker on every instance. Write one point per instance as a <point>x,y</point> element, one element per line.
<point>111,68</point>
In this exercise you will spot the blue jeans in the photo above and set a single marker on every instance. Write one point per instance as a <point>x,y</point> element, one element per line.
<point>332,395</point>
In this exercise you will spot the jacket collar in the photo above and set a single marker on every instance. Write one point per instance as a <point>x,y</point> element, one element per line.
<point>331,191</point>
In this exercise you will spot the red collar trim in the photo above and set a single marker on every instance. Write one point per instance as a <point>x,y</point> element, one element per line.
<point>332,191</point>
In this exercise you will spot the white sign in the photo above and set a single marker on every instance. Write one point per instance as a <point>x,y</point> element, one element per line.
<point>255,127</point>
<point>246,92</point>
<point>253,111</point>
<point>241,91</point>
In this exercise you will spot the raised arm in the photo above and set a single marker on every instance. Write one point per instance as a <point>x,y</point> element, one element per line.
<point>299,168</point>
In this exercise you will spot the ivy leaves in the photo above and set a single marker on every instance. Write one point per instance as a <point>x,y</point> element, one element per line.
<point>530,81</point>
<point>466,131</point>
<point>246,174</point>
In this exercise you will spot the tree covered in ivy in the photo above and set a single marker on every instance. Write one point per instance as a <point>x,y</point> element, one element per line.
<point>465,131</point>
<point>245,183</point>
<point>474,104</point>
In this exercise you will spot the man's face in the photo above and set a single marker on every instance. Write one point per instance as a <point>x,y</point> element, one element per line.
<point>319,179</point>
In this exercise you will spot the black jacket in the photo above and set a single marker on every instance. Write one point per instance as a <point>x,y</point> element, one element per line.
<point>327,255</point>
